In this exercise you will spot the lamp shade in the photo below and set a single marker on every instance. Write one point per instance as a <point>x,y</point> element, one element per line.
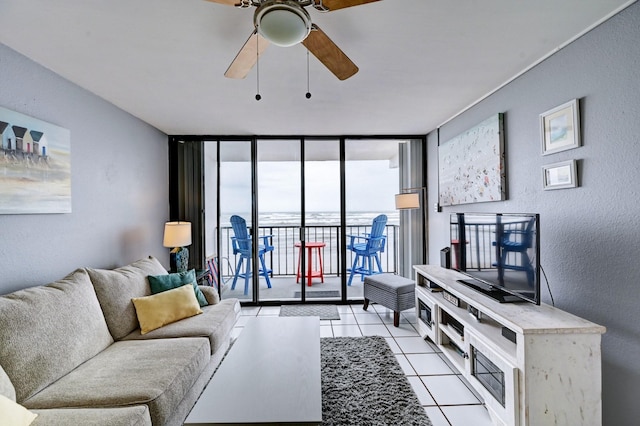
<point>410,200</point>
<point>177,234</point>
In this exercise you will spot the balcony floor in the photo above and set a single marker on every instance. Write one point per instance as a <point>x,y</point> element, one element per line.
<point>285,288</point>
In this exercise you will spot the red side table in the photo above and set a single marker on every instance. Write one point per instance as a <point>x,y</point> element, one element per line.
<point>456,252</point>
<point>311,273</point>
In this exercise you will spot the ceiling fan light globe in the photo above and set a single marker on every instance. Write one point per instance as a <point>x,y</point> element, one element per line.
<point>283,24</point>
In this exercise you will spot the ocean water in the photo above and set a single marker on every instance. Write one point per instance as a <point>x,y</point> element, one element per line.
<point>317,218</point>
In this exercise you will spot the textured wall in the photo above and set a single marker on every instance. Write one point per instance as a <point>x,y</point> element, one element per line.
<point>590,236</point>
<point>119,183</point>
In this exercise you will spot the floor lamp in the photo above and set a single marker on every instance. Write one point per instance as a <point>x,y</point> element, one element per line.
<point>409,199</point>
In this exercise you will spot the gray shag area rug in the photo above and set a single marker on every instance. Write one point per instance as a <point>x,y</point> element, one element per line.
<point>325,312</point>
<point>363,384</point>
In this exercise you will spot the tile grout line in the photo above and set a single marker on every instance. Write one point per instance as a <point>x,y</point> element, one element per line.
<point>403,353</point>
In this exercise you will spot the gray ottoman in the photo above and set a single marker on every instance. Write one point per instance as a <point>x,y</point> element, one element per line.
<point>391,291</point>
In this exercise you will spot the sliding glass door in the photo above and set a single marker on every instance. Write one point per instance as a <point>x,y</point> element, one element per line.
<point>279,204</point>
<point>299,210</point>
<point>236,262</point>
<point>322,220</point>
<point>371,175</point>
<point>292,219</point>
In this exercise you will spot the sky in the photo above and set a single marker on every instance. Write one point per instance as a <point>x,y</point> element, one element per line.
<point>371,186</point>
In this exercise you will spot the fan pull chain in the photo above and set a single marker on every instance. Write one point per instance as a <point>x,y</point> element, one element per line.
<point>308,95</point>
<point>258,97</point>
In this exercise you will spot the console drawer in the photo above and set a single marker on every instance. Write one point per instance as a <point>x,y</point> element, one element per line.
<point>427,315</point>
<point>496,379</point>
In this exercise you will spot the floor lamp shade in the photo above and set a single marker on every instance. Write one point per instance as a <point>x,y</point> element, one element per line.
<point>177,235</point>
<point>410,200</point>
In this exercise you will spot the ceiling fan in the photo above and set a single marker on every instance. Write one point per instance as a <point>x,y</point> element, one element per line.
<point>286,23</point>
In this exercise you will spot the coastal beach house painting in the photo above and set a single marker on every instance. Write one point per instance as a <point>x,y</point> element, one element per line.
<point>35,165</point>
<point>471,165</point>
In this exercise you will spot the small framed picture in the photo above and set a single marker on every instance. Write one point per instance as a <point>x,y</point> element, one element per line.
<point>560,175</point>
<point>560,128</point>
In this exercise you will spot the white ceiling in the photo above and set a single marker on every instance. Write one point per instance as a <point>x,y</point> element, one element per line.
<point>421,61</point>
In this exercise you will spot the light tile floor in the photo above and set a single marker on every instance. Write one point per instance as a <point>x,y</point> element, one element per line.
<point>446,396</point>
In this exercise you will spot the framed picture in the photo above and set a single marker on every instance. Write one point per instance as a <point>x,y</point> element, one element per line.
<point>560,175</point>
<point>471,165</point>
<point>560,128</point>
<point>35,165</point>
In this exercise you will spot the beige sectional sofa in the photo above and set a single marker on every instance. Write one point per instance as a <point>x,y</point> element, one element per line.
<point>72,351</point>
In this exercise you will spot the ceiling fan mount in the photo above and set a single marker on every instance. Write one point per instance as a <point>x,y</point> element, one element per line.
<point>286,23</point>
<point>318,4</point>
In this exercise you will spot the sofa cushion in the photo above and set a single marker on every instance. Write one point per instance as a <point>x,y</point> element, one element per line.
<point>160,283</point>
<point>115,289</point>
<point>215,323</point>
<point>211,293</point>
<point>157,373</point>
<point>47,331</point>
<point>119,416</point>
<point>166,307</point>
<point>14,414</point>
<point>6,387</point>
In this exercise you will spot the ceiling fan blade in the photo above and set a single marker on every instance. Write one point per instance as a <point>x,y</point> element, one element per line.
<point>338,4</point>
<point>227,2</point>
<point>329,53</point>
<point>247,56</point>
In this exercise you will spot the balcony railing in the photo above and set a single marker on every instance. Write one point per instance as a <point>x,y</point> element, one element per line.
<point>283,260</point>
<point>480,245</point>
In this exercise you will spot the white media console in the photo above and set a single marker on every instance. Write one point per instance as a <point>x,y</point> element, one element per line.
<point>533,365</point>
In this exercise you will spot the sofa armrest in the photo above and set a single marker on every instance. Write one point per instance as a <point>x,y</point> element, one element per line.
<point>211,293</point>
<point>6,387</point>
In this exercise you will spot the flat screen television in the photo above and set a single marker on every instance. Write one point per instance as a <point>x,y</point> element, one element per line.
<point>499,253</point>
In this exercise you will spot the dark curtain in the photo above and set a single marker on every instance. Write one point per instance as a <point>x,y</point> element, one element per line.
<point>186,193</point>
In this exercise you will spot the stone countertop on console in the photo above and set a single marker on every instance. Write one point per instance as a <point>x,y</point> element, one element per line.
<point>524,318</point>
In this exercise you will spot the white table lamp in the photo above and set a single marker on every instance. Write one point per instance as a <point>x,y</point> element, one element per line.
<point>177,235</point>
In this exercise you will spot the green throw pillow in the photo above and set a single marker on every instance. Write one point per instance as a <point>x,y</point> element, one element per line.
<point>160,283</point>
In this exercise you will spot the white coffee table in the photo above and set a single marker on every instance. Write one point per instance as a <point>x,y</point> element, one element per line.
<point>271,375</point>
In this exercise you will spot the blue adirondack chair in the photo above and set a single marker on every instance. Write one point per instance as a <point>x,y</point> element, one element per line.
<point>242,246</point>
<point>367,248</point>
<point>517,241</point>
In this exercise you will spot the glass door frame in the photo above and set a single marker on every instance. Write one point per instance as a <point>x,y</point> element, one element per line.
<point>176,200</point>
<point>302,224</point>
<point>302,237</point>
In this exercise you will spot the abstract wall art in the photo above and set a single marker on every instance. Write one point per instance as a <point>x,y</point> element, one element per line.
<point>471,165</point>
